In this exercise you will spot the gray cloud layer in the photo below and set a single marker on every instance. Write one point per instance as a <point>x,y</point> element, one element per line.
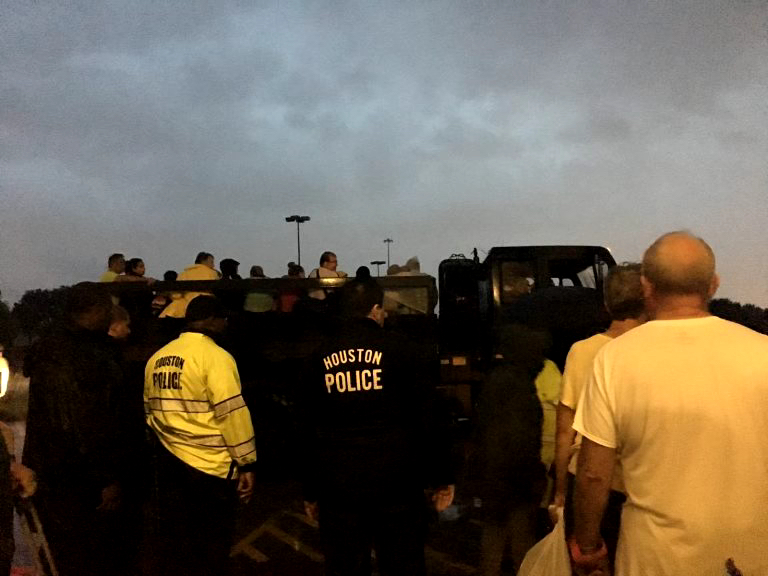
<point>162,130</point>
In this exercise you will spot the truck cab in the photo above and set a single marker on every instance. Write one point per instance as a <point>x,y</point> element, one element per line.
<point>558,289</point>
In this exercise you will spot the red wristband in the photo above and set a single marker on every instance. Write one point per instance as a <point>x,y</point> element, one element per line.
<point>581,559</point>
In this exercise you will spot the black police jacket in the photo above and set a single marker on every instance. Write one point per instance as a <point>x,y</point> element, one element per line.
<point>369,416</point>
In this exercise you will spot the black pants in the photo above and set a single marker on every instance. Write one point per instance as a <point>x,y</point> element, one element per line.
<point>83,540</point>
<point>6,511</point>
<point>351,526</point>
<point>194,519</point>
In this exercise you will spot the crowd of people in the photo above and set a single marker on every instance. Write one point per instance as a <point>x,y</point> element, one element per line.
<point>657,455</point>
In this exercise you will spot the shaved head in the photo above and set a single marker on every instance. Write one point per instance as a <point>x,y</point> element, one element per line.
<point>680,264</point>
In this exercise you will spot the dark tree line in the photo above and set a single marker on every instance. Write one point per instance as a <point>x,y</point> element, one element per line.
<point>31,316</point>
<point>6,325</point>
<point>36,312</point>
<point>748,315</point>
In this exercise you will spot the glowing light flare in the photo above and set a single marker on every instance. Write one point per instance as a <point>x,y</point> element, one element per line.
<point>5,373</point>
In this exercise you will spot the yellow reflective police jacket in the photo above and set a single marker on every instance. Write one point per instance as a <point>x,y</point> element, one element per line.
<point>192,401</point>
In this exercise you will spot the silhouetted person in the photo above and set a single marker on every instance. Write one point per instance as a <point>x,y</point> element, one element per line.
<point>135,272</point>
<point>14,479</point>
<point>138,303</point>
<point>507,471</point>
<point>288,297</point>
<point>363,273</point>
<point>229,269</point>
<point>115,267</point>
<point>203,269</point>
<point>371,451</point>
<point>259,301</point>
<point>73,439</point>
<point>328,269</point>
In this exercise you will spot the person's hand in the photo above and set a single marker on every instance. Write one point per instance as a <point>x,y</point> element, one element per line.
<point>110,498</point>
<point>592,563</point>
<point>24,480</point>
<point>245,485</point>
<point>558,502</point>
<point>554,512</point>
<point>310,509</point>
<point>443,497</point>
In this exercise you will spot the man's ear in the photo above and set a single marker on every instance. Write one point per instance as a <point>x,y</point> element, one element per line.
<point>647,287</point>
<point>714,284</point>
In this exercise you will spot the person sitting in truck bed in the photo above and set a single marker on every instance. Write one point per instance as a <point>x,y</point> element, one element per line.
<point>407,300</point>
<point>288,297</point>
<point>259,301</point>
<point>327,269</point>
<point>203,269</point>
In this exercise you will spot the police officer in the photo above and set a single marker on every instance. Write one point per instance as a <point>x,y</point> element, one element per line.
<point>205,441</point>
<point>371,450</point>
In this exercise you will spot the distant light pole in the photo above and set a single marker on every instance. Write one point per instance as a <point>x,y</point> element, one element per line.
<point>377,263</point>
<point>299,221</point>
<point>388,241</point>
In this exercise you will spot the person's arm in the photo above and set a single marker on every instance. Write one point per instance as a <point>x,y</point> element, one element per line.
<point>443,497</point>
<point>563,443</point>
<point>593,484</point>
<point>573,376</point>
<point>245,484</point>
<point>24,479</point>
<point>7,433</point>
<point>595,421</point>
<point>232,416</point>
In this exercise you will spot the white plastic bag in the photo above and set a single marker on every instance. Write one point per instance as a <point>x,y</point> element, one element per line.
<point>549,557</point>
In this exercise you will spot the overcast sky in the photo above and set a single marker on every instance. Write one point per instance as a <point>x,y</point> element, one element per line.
<point>160,129</point>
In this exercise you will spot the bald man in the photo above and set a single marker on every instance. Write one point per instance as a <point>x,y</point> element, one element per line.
<point>681,402</point>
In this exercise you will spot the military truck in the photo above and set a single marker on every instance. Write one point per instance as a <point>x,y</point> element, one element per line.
<point>558,289</point>
<point>553,288</point>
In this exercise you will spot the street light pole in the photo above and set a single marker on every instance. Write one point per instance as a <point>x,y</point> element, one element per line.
<point>388,241</point>
<point>299,221</point>
<point>377,263</point>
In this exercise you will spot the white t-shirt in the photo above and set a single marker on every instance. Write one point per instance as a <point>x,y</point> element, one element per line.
<point>577,372</point>
<point>684,402</point>
<point>323,273</point>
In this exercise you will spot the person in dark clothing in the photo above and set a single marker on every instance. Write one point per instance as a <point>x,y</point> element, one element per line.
<point>6,510</point>
<point>371,453</point>
<point>229,268</point>
<point>73,440</point>
<point>15,480</point>
<point>508,475</point>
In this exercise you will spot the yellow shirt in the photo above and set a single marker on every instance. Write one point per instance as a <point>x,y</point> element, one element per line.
<point>178,306</point>
<point>108,276</point>
<point>193,402</point>
<point>548,390</point>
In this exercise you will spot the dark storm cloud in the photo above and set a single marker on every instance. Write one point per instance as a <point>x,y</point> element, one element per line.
<point>166,128</point>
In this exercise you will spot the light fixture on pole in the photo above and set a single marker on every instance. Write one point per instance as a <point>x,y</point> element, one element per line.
<point>388,241</point>
<point>299,221</point>
<point>377,263</point>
